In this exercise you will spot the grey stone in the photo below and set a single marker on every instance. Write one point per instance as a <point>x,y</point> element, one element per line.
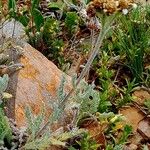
<point>12,28</point>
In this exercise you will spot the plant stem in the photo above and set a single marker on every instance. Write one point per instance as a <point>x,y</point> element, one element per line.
<point>93,54</point>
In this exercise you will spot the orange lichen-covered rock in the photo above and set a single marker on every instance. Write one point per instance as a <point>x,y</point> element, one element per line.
<point>36,84</point>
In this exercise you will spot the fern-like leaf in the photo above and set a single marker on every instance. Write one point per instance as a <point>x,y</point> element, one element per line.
<point>3,83</point>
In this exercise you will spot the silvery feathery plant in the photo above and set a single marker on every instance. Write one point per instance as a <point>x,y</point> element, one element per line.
<point>3,86</point>
<point>5,130</point>
<point>85,101</point>
<point>40,135</point>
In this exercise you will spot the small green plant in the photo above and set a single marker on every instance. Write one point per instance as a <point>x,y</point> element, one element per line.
<point>87,98</point>
<point>34,20</point>
<point>87,143</point>
<point>71,22</point>
<point>115,125</point>
<point>12,8</point>
<point>104,103</point>
<point>145,147</point>
<point>126,97</point>
<point>126,132</point>
<point>5,130</point>
<point>132,34</point>
<point>105,76</point>
<point>117,147</point>
<point>36,139</point>
<point>51,29</point>
<point>147,104</point>
<point>122,141</point>
<point>3,83</point>
<point>114,121</point>
<point>52,41</point>
<point>3,86</point>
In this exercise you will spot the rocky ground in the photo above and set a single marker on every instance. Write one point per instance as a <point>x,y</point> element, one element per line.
<point>38,80</point>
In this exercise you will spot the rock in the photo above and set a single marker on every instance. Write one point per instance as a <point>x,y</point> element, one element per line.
<point>144,128</point>
<point>133,116</point>
<point>135,139</point>
<point>130,147</point>
<point>34,85</point>
<point>12,28</point>
<point>141,96</point>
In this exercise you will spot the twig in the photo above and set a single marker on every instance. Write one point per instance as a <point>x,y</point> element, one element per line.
<point>138,107</point>
<point>14,28</point>
<point>142,88</point>
<point>116,75</point>
<point>92,49</point>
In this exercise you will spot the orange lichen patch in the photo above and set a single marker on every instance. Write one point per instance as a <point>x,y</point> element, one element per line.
<point>40,96</point>
<point>51,87</point>
<point>35,108</point>
<point>28,71</point>
<point>20,115</point>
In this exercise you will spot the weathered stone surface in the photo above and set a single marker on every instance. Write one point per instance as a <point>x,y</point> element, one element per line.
<point>35,84</point>
<point>144,128</point>
<point>141,96</point>
<point>130,113</point>
<point>12,28</point>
